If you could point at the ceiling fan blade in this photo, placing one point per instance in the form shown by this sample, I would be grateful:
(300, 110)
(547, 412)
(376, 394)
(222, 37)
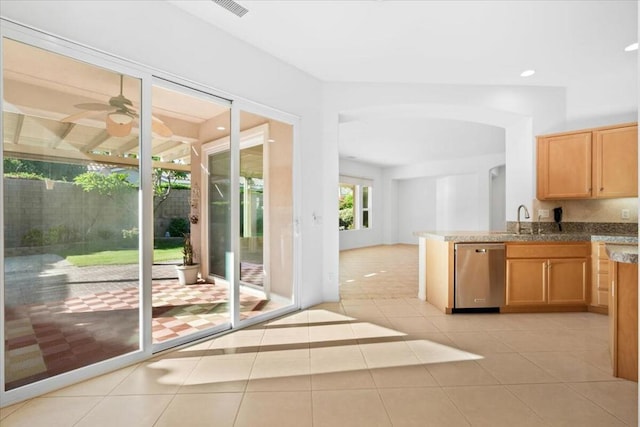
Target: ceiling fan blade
(78, 116)
(158, 127)
(94, 106)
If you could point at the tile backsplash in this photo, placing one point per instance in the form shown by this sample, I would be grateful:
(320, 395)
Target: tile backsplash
(597, 210)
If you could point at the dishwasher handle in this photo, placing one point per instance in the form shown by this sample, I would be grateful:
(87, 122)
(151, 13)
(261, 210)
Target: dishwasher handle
(481, 251)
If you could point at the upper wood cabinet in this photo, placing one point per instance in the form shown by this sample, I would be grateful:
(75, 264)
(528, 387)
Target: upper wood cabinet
(615, 165)
(594, 163)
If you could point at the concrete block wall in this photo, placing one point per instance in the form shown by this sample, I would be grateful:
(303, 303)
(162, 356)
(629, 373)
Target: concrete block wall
(28, 205)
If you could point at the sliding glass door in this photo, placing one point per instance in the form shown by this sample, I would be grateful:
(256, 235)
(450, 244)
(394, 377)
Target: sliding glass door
(70, 206)
(186, 305)
(115, 180)
(264, 189)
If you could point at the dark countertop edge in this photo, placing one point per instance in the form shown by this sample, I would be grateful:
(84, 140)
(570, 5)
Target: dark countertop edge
(477, 236)
(622, 253)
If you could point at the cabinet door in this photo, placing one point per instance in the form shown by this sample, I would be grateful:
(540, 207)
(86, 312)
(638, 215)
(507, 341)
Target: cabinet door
(526, 282)
(616, 162)
(568, 281)
(564, 167)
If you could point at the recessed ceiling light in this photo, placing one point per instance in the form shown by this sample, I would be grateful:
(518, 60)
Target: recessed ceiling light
(527, 73)
(221, 128)
(631, 47)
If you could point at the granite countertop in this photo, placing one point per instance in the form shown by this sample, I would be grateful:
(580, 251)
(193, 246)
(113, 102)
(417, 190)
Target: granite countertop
(622, 253)
(504, 236)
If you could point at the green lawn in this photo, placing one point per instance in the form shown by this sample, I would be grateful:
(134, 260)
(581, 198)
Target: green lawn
(164, 251)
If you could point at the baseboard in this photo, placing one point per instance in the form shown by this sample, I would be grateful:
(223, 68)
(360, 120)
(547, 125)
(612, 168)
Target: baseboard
(598, 309)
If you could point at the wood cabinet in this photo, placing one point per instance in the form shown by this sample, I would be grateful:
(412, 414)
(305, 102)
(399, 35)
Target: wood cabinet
(615, 166)
(599, 278)
(526, 281)
(594, 163)
(623, 319)
(439, 274)
(564, 166)
(548, 274)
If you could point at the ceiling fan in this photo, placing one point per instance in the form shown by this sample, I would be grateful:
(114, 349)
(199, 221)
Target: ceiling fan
(121, 114)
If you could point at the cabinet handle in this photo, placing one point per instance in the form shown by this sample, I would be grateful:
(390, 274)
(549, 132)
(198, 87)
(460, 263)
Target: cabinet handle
(601, 188)
(613, 288)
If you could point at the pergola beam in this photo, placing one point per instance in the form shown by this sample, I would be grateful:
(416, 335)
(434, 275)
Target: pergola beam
(69, 156)
(18, 131)
(97, 141)
(65, 132)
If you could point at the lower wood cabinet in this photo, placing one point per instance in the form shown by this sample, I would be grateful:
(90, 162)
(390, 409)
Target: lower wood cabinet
(568, 281)
(526, 281)
(623, 319)
(548, 274)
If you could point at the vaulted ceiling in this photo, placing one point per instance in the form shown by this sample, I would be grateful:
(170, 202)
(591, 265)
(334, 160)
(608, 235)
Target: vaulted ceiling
(477, 42)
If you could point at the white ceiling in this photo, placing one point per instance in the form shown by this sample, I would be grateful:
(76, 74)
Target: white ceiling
(442, 42)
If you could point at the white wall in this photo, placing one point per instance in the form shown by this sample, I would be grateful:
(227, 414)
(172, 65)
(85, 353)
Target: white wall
(603, 100)
(350, 239)
(416, 207)
(159, 35)
(459, 203)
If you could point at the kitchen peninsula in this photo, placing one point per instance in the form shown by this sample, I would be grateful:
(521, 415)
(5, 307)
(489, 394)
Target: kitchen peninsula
(532, 261)
(544, 273)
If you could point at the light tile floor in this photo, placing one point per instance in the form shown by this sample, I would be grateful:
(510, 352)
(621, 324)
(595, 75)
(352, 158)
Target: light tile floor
(372, 359)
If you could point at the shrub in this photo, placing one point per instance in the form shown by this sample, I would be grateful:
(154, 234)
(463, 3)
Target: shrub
(33, 237)
(61, 234)
(178, 227)
(131, 233)
(105, 234)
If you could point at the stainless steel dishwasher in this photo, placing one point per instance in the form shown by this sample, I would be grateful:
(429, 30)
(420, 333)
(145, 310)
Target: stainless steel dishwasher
(479, 282)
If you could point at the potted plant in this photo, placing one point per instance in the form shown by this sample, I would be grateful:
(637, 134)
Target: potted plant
(188, 271)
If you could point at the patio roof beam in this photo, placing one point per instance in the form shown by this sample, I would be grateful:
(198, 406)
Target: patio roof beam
(69, 156)
(133, 142)
(65, 132)
(18, 131)
(99, 139)
(166, 146)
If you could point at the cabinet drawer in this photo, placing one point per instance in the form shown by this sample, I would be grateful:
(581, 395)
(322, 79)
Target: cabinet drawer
(560, 250)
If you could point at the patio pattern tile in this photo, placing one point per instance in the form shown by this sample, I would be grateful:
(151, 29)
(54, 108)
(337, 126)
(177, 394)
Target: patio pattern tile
(44, 339)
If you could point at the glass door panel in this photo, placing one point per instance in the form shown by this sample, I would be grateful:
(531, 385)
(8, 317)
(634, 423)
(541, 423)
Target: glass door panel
(266, 222)
(186, 303)
(71, 244)
(219, 212)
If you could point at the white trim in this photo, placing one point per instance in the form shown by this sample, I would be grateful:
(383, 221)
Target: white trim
(2, 313)
(352, 180)
(145, 220)
(233, 267)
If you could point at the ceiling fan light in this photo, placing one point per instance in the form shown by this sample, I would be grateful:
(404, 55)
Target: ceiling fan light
(120, 118)
(118, 129)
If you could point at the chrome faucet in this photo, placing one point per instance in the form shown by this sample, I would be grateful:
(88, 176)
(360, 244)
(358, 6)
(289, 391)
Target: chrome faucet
(526, 216)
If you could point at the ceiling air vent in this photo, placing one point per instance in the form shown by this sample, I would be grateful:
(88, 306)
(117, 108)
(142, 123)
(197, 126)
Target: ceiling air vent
(232, 7)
